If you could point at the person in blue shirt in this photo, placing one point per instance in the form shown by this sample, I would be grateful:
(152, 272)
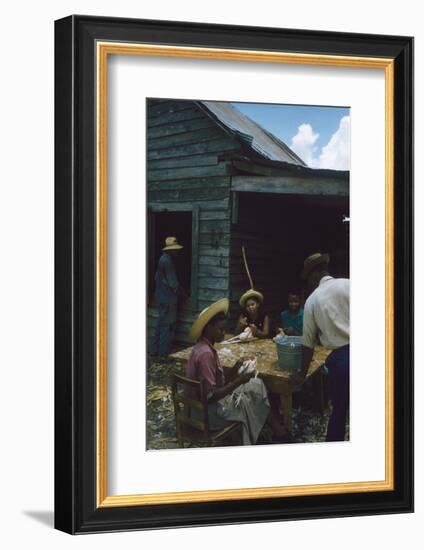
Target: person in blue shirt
(167, 290)
(291, 319)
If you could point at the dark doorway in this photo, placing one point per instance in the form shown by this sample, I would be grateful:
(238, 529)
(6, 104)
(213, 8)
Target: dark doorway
(279, 231)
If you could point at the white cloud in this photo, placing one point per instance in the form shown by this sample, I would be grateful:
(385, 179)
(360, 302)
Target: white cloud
(303, 143)
(334, 155)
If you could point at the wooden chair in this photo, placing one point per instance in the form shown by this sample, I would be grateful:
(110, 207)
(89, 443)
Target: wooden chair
(195, 431)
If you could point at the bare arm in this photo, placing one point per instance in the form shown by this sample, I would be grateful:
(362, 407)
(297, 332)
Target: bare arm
(307, 355)
(219, 393)
(264, 333)
(310, 338)
(299, 378)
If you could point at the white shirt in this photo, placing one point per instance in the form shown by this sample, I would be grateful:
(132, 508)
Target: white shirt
(326, 314)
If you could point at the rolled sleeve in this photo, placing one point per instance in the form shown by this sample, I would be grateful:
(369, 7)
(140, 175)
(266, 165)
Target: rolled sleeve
(310, 329)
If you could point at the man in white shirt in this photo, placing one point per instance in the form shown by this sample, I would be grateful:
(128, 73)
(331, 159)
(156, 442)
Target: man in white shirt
(326, 322)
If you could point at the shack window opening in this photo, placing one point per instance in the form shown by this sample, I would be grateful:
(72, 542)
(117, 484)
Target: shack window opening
(170, 224)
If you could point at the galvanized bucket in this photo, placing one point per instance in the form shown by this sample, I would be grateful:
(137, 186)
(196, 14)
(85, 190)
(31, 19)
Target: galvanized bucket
(289, 351)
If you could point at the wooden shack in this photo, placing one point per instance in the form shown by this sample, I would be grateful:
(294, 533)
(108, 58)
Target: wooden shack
(216, 180)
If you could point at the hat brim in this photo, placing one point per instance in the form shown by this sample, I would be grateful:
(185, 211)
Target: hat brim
(221, 306)
(251, 294)
(324, 259)
(173, 247)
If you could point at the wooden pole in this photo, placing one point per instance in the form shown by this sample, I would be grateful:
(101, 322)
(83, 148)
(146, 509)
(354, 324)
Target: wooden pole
(247, 267)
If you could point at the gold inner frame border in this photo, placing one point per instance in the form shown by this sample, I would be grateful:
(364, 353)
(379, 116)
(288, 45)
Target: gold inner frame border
(103, 50)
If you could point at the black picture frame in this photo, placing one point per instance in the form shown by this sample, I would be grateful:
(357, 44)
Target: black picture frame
(76, 509)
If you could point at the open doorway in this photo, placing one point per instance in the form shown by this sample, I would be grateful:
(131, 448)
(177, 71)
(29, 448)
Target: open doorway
(170, 224)
(279, 231)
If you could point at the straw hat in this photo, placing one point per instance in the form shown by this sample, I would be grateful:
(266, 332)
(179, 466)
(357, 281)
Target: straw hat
(221, 306)
(312, 262)
(251, 294)
(171, 244)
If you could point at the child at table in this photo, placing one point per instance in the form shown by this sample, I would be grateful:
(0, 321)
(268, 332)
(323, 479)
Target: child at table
(291, 319)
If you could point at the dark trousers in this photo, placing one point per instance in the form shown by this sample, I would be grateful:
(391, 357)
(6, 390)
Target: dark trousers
(165, 329)
(338, 388)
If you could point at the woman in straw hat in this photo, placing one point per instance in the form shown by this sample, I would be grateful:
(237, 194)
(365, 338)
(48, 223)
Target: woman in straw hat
(241, 398)
(253, 315)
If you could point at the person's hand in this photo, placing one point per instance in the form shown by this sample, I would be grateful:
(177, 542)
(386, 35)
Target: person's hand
(254, 329)
(243, 321)
(246, 376)
(232, 373)
(280, 332)
(238, 364)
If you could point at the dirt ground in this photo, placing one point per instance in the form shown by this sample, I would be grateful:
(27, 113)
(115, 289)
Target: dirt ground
(309, 425)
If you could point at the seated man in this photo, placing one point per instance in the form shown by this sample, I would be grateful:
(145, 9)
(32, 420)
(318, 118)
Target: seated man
(291, 319)
(243, 398)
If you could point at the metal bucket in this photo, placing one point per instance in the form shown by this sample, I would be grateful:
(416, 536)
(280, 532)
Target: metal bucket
(289, 351)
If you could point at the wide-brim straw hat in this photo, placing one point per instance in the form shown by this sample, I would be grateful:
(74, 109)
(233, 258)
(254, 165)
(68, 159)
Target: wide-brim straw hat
(221, 306)
(251, 294)
(313, 261)
(171, 243)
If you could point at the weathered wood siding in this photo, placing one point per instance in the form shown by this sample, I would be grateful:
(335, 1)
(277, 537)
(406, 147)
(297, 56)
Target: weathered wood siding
(187, 169)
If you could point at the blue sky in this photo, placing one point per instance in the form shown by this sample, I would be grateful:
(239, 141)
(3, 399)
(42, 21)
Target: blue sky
(319, 135)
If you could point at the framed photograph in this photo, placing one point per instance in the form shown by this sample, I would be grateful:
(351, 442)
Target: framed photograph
(233, 265)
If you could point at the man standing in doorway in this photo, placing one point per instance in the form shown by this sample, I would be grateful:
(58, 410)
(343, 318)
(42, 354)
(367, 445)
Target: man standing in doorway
(167, 290)
(326, 321)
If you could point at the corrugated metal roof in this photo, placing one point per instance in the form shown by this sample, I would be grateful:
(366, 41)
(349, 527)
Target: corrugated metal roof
(263, 142)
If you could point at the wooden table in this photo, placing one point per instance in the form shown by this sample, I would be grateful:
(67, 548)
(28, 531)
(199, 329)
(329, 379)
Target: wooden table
(265, 351)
